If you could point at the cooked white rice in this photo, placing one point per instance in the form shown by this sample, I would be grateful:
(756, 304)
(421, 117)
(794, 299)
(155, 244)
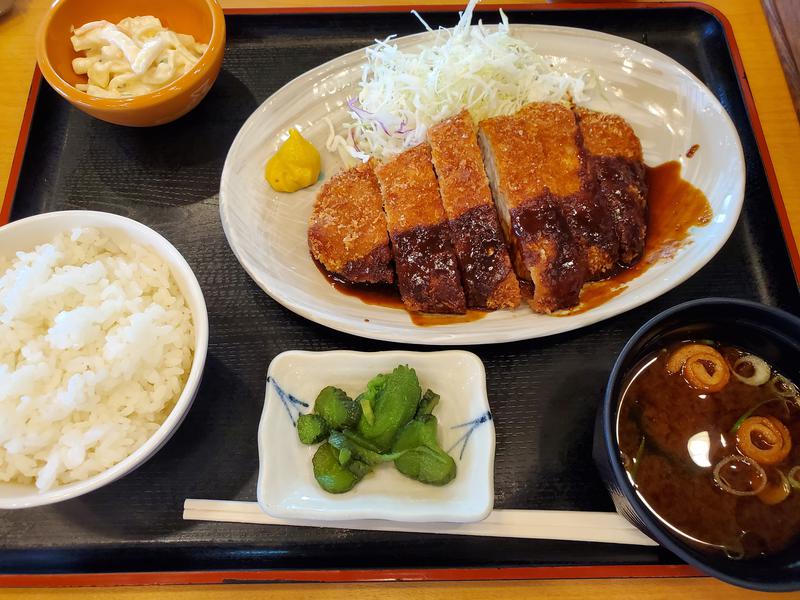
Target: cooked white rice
(96, 344)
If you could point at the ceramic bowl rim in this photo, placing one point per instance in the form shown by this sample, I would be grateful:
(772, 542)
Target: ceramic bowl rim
(609, 411)
(194, 297)
(181, 85)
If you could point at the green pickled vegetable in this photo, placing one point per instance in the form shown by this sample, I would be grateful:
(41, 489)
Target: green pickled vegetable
(345, 456)
(389, 422)
(389, 403)
(336, 407)
(331, 475)
(362, 450)
(359, 469)
(430, 400)
(366, 407)
(311, 429)
(354, 437)
(422, 457)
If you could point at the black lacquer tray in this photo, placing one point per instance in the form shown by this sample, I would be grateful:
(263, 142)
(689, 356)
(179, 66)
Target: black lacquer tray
(543, 392)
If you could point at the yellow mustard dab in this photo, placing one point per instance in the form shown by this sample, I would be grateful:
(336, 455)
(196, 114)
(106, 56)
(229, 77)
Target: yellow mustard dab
(294, 166)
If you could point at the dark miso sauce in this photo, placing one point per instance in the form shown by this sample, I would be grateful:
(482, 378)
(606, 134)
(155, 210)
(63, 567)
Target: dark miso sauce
(388, 295)
(672, 436)
(674, 206)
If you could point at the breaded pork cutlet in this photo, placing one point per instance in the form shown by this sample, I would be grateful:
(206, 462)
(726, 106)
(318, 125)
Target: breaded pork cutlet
(586, 211)
(427, 270)
(347, 229)
(533, 169)
(486, 272)
(614, 158)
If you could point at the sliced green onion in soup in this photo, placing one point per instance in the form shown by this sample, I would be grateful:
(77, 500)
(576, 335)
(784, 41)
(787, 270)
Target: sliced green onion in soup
(749, 413)
(740, 468)
(794, 477)
(783, 387)
(637, 459)
(751, 370)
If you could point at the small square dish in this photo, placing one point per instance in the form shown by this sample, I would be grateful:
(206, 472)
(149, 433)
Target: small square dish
(286, 485)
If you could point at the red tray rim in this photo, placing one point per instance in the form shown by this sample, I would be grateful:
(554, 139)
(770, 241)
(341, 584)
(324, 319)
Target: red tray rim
(348, 576)
(421, 574)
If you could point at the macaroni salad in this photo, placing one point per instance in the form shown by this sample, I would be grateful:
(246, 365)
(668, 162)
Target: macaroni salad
(134, 57)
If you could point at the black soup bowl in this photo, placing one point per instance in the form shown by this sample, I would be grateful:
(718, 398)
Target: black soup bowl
(772, 334)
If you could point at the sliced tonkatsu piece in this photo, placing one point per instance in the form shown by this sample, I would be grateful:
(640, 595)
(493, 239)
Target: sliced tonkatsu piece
(427, 270)
(347, 229)
(486, 272)
(534, 169)
(586, 210)
(614, 157)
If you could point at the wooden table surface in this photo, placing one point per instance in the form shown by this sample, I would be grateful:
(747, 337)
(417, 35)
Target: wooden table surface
(782, 133)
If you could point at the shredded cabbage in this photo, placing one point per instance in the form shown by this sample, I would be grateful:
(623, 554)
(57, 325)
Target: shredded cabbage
(485, 69)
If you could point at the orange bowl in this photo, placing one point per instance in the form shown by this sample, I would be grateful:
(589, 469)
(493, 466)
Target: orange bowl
(203, 19)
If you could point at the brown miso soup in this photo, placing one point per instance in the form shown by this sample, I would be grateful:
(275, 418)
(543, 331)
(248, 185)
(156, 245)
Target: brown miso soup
(710, 437)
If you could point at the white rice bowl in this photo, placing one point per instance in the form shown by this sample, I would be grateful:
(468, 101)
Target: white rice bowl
(97, 342)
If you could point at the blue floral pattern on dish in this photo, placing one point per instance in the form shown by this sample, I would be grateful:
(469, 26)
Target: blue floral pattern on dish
(289, 401)
(293, 403)
(473, 425)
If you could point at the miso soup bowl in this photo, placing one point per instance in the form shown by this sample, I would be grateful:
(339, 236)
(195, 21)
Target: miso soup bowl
(767, 332)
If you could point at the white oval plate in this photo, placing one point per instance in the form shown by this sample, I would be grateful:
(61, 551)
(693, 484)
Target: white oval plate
(286, 486)
(668, 107)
